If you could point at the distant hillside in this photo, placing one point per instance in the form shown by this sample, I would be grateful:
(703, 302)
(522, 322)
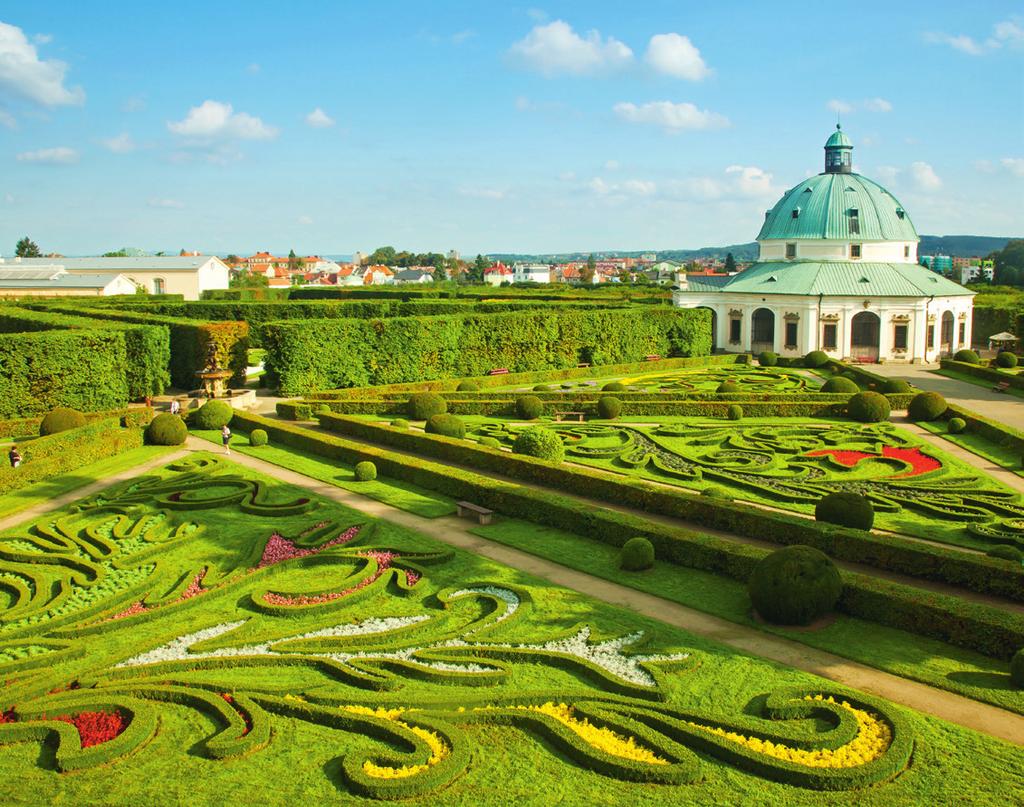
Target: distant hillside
(960, 245)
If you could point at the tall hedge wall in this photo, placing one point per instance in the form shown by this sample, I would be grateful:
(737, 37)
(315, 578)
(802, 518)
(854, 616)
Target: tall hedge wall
(45, 369)
(325, 354)
(990, 319)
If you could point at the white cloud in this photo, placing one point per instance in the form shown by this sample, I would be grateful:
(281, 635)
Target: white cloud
(462, 36)
(1008, 32)
(120, 144)
(304, 220)
(924, 176)
(213, 120)
(136, 103)
(42, 39)
(567, 176)
(24, 74)
(482, 193)
(523, 103)
(61, 155)
(639, 187)
(7, 120)
(675, 55)
(984, 167)
(750, 180)
(1005, 33)
(169, 204)
(1015, 165)
(611, 165)
(737, 182)
(253, 69)
(630, 187)
(877, 105)
(556, 48)
(319, 119)
(843, 107)
(670, 116)
(962, 43)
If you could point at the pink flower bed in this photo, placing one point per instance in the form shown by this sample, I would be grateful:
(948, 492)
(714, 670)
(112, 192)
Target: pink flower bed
(384, 560)
(919, 462)
(279, 548)
(93, 727)
(194, 589)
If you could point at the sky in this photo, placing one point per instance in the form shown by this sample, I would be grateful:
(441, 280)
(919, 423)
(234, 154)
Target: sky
(492, 127)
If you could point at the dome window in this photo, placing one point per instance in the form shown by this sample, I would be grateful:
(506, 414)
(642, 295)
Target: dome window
(807, 190)
(773, 279)
(900, 213)
(796, 212)
(864, 280)
(855, 251)
(790, 251)
(854, 219)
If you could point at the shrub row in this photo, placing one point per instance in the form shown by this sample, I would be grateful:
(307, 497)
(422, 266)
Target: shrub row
(991, 430)
(309, 355)
(46, 457)
(891, 553)
(959, 622)
(988, 374)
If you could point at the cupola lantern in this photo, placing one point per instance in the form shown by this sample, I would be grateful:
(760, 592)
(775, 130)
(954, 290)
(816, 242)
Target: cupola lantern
(838, 153)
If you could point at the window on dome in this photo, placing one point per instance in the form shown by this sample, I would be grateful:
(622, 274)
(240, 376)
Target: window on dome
(854, 251)
(796, 212)
(790, 251)
(906, 250)
(900, 213)
(854, 217)
(846, 158)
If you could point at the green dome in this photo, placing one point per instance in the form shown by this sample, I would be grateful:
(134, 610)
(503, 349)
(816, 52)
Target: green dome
(846, 207)
(838, 139)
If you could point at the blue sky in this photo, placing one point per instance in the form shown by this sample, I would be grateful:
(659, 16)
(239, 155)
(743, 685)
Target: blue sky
(331, 127)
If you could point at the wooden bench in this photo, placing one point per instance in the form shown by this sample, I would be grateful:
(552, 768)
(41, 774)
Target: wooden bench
(560, 416)
(652, 357)
(498, 371)
(583, 364)
(481, 514)
(1002, 386)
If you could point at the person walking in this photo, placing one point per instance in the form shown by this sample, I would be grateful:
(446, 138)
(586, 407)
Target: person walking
(14, 456)
(225, 435)
(175, 407)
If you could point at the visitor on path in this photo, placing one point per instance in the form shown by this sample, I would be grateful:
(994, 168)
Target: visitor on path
(14, 456)
(175, 407)
(225, 435)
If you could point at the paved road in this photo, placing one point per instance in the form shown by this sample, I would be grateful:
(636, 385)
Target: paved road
(998, 406)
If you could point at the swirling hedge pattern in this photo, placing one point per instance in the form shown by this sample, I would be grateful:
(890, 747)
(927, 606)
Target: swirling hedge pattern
(706, 379)
(111, 612)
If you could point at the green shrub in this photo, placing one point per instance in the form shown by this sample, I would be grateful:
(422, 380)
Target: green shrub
(1017, 669)
(258, 437)
(539, 442)
(869, 407)
(896, 386)
(715, 492)
(366, 471)
(212, 415)
(816, 358)
(636, 554)
(1006, 552)
(166, 430)
(728, 386)
(847, 509)
(1006, 359)
(734, 412)
(967, 357)
(489, 442)
(424, 405)
(447, 425)
(322, 409)
(608, 407)
(400, 423)
(614, 386)
(795, 585)
(529, 407)
(767, 358)
(956, 425)
(926, 406)
(61, 419)
(467, 386)
(544, 388)
(840, 384)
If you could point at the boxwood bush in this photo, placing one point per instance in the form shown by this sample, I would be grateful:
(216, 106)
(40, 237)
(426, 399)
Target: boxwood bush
(636, 554)
(614, 386)
(967, 357)
(212, 415)
(896, 386)
(728, 387)
(609, 407)
(489, 442)
(816, 358)
(424, 405)
(166, 430)
(956, 425)
(846, 508)
(1006, 552)
(539, 442)
(734, 412)
(61, 419)
(467, 386)
(767, 358)
(869, 407)
(447, 425)
(365, 471)
(529, 407)
(926, 406)
(1006, 359)
(840, 384)
(795, 585)
(258, 437)
(400, 423)
(1017, 669)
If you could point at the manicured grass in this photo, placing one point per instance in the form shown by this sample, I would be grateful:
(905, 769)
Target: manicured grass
(978, 382)
(993, 452)
(403, 495)
(44, 491)
(284, 734)
(920, 659)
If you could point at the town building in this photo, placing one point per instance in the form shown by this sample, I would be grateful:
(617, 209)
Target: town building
(837, 271)
(49, 280)
(531, 273)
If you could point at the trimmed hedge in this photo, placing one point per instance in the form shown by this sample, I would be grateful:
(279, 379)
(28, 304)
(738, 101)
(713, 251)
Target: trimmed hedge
(529, 407)
(324, 354)
(541, 443)
(987, 374)
(795, 586)
(816, 358)
(869, 407)
(258, 437)
(608, 407)
(1017, 669)
(424, 405)
(840, 384)
(896, 385)
(994, 431)
(767, 358)
(926, 406)
(468, 386)
(166, 430)
(636, 554)
(957, 425)
(951, 619)
(365, 471)
(846, 509)
(614, 386)
(1006, 359)
(60, 420)
(212, 415)
(734, 412)
(447, 425)
(967, 356)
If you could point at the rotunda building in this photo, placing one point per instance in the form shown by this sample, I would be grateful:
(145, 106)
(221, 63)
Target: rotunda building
(837, 271)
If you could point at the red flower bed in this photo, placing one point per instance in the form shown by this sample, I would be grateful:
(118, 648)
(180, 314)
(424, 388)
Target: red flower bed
(8, 716)
(384, 560)
(94, 727)
(245, 715)
(280, 549)
(919, 462)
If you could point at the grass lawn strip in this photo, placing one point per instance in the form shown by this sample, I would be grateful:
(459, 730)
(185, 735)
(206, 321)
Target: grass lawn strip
(1005, 458)
(978, 382)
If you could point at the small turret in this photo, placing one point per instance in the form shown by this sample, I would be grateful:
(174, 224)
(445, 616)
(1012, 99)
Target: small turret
(838, 153)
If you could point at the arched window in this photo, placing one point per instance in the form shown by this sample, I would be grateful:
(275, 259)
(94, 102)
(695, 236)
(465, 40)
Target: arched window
(158, 285)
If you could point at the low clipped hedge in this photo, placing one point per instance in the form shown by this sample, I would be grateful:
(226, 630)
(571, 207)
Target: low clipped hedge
(446, 425)
(994, 431)
(166, 430)
(987, 374)
(869, 407)
(1017, 669)
(846, 509)
(795, 586)
(60, 420)
(424, 405)
(926, 406)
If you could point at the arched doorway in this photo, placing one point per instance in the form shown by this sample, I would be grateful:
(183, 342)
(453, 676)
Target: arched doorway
(864, 330)
(762, 331)
(714, 326)
(946, 333)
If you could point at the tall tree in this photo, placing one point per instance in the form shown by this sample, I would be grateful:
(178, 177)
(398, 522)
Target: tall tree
(480, 267)
(382, 255)
(588, 271)
(27, 248)
(730, 263)
(1009, 264)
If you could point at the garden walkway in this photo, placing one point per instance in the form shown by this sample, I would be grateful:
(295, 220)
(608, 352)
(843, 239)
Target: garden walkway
(450, 530)
(996, 406)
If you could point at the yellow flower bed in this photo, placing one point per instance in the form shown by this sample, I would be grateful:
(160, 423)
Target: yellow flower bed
(438, 749)
(873, 739)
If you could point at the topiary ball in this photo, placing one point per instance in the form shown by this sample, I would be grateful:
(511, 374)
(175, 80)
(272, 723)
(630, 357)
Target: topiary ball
(323, 409)
(489, 442)
(446, 425)
(60, 420)
(840, 384)
(400, 423)
(614, 386)
(366, 471)
(423, 405)
(926, 406)
(714, 492)
(257, 437)
(966, 356)
(956, 425)
(816, 358)
(166, 430)
(795, 585)
(1017, 669)
(896, 386)
(467, 386)
(608, 407)
(728, 386)
(846, 509)
(529, 407)
(1006, 359)
(539, 442)
(212, 415)
(767, 358)
(734, 412)
(636, 554)
(543, 388)
(1006, 552)
(868, 407)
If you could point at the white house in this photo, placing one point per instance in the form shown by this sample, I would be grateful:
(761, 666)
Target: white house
(531, 273)
(186, 275)
(498, 274)
(837, 272)
(416, 274)
(51, 280)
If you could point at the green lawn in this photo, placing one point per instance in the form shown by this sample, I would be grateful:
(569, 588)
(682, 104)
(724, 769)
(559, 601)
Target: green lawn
(993, 452)
(260, 623)
(403, 495)
(978, 382)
